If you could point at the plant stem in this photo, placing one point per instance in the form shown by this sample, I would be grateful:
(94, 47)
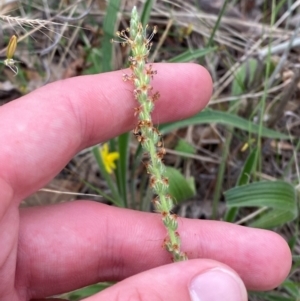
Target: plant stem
(146, 133)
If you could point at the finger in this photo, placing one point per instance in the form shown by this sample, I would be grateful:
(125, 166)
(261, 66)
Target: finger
(42, 131)
(192, 280)
(6, 197)
(50, 299)
(70, 245)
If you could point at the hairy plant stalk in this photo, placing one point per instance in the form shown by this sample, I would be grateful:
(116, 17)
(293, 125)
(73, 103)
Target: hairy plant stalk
(146, 133)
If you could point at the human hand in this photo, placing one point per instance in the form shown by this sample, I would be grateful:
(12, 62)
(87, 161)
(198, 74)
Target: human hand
(53, 249)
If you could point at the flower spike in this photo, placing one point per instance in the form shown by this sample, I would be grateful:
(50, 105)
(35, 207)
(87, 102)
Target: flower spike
(148, 135)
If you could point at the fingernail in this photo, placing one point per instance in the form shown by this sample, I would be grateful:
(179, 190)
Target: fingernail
(217, 284)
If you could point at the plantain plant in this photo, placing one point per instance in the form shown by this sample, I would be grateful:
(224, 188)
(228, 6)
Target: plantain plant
(146, 133)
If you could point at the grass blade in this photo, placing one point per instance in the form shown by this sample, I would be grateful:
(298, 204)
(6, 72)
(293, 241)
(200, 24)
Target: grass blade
(214, 116)
(244, 179)
(109, 24)
(147, 12)
(122, 165)
(190, 55)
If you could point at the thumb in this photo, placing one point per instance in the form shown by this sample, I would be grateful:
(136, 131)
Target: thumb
(191, 280)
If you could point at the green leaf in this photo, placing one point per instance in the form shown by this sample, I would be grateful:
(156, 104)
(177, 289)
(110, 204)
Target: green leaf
(86, 291)
(147, 12)
(214, 116)
(137, 159)
(245, 76)
(271, 296)
(185, 147)
(248, 167)
(190, 55)
(98, 190)
(109, 24)
(291, 292)
(94, 59)
(292, 287)
(273, 218)
(122, 165)
(278, 197)
(244, 179)
(180, 188)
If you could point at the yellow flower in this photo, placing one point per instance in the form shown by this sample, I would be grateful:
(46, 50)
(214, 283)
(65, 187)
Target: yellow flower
(11, 48)
(108, 158)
